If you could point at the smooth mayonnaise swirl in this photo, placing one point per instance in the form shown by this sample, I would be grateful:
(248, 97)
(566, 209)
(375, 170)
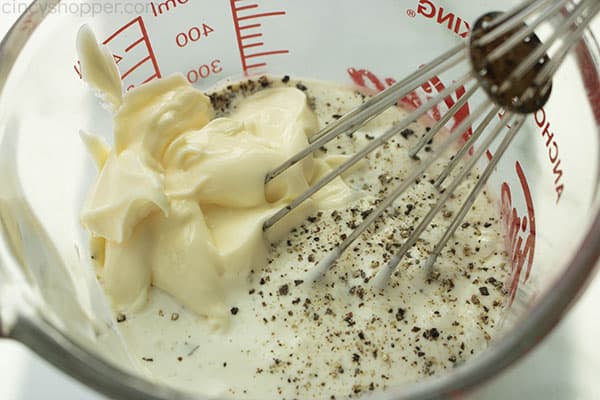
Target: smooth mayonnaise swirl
(180, 200)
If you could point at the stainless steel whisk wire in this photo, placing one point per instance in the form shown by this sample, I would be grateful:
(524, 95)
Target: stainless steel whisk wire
(497, 30)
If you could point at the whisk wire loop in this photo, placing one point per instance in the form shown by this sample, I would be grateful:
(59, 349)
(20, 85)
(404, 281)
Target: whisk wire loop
(358, 156)
(328, 261)
(475, 191)
(352, 121)
(384, 273)
(512, 66)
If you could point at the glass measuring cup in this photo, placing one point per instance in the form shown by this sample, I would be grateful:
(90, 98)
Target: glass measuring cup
(50, 301)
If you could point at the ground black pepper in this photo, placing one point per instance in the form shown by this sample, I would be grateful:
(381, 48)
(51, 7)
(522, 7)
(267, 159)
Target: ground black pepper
(345, 327)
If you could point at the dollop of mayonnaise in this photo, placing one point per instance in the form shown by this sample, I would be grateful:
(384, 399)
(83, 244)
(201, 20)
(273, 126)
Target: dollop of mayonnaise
(180, 200)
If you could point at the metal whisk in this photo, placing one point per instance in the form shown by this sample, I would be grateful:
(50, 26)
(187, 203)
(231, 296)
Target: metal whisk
(513, 67)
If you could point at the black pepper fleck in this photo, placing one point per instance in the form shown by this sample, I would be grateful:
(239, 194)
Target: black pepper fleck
(431, 334)
(283, 290)
(406, 133)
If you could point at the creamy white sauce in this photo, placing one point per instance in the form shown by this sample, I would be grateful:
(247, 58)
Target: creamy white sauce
(288, 339)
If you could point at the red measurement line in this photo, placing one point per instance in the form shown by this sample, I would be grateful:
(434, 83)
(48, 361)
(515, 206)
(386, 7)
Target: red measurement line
(123, 28)
(144, 39)
(254, 35)
(267, 53)
(131, 46)
(136, 66)
(236, 23)
(242, 45)
(247, 46)
(149, 46)
(256, 65)
(250, 26)
(248, 7)
(149, 79)
(270, 14)
(78, 69)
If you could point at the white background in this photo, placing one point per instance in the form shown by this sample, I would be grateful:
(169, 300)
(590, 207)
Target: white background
(565, 366)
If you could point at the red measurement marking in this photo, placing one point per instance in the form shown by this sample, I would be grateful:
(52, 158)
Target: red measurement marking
(256, 66)
(250, 26)
(78, 70)
(136, 66)
(150, 78)
(134, 44)
(247, 46)
(123, 29)
(520, 231)
(248, 7)
(254, 35)
(267, 53)
(236, 24)
(243, 45)
(271, 14)
(123, 50)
